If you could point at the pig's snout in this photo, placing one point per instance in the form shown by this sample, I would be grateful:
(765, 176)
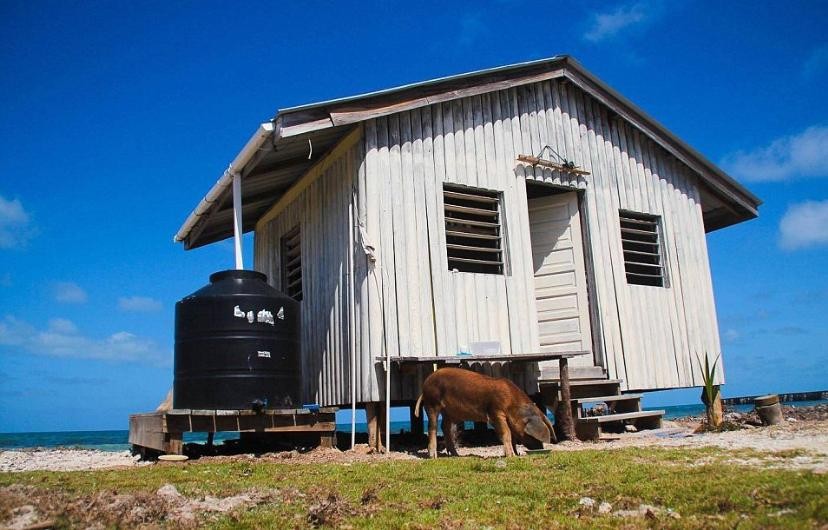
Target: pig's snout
(535, 430)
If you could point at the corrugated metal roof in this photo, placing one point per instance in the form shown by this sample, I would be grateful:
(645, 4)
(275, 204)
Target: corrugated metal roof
(301, 129)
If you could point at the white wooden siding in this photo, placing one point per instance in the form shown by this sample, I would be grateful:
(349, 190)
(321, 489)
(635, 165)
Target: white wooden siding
(322, 213)
(407, 302)
(647, 336)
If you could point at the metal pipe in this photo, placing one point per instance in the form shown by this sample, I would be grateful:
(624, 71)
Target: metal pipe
(388, 400)
(237, 221)
(352, 315)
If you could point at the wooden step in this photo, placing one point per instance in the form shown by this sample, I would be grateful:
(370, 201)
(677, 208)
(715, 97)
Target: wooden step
(581, 382)
(551, 373)
(590, 428)
(623, 416)
(582, 388)
(617, 404)
(602, 399)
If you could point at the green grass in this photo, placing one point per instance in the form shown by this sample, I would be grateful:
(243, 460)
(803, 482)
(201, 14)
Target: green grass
(529, 492)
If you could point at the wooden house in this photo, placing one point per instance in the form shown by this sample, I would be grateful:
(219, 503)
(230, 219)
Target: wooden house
(520, 209)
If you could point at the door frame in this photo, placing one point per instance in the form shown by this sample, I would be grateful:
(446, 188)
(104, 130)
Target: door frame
(598, 353)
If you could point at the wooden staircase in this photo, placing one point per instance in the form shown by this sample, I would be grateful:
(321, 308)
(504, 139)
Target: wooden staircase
(599, 406)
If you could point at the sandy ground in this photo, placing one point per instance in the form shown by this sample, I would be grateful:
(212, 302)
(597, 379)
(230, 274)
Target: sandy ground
(65, 460)
(800, 442)
(802, 431)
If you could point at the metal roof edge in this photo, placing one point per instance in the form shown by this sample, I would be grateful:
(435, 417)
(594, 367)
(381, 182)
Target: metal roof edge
(421, 84)
(662, 130)
(263, 131)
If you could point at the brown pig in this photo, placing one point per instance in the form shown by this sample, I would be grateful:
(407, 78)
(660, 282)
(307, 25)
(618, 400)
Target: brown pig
(461, 395)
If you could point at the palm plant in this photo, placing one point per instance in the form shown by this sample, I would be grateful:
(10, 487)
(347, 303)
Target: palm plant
(710, 393)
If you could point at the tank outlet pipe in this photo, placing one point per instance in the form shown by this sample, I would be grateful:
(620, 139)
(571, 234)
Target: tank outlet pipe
(253, 145)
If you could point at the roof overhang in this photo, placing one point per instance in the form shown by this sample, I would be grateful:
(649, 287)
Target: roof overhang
(283, 149)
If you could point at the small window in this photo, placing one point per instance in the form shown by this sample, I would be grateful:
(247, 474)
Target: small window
(292, 264)
(642, 249)
(473, 235)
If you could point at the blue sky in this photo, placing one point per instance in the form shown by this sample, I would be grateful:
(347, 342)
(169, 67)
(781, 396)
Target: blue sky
(117, 117)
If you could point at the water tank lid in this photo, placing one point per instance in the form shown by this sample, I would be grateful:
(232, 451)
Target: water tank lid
(236, 274)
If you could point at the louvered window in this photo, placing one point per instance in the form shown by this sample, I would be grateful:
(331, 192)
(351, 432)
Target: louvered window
(292, 264)
(642, 249)
(473, 231)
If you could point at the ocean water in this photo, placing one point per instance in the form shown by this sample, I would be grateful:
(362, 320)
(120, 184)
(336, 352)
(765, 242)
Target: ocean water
(118, 440)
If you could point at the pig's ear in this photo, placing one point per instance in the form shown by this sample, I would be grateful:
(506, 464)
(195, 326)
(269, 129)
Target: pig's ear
(535, 427)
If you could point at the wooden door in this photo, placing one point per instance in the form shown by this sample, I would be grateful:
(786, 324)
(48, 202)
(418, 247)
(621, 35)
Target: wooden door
(560, 276)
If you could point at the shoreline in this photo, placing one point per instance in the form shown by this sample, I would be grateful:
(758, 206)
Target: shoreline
(804, 429)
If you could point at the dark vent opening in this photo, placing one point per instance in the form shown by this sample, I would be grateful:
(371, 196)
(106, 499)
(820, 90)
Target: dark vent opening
(292, 264)
(473, 233)
(640, 241)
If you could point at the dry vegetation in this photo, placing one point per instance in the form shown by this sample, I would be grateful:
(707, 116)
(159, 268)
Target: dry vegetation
(762, 477)
(629, 487)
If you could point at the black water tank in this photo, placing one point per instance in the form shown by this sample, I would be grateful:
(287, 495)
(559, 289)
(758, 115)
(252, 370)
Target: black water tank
(236, 345)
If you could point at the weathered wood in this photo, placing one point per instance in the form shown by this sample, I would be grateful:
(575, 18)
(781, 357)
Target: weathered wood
(346, 115)
(535, 161)
(174, 443)
(311, 175)
(374, 417)
(563, 412)
(147, 430)
(409, 302)
(458, 359)
(162, 431)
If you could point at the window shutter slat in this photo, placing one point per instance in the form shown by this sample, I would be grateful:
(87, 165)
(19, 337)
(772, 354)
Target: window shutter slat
(472, 223)
(291, 250)
(641, 244)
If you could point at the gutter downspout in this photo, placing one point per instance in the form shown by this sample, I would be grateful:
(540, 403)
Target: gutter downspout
(237, 221)
(236, 166)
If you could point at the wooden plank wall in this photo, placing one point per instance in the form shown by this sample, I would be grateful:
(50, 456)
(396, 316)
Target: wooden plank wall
(322, 211)
(415, 306)
(405, 300)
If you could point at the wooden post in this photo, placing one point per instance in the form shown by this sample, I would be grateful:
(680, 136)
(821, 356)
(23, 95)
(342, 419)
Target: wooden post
(563, 413)
(374, 412)
(327, 440)
(174, 443)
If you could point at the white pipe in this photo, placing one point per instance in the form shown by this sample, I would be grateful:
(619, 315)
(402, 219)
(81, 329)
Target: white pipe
(352, 316)
(388, 400)
(237, 221)
(251, 148)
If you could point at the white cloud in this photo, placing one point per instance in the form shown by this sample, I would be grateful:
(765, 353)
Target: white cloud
(138, 304)
(731, 335)
(606, 25)
(69, 293)
(61, 338)
(797, 156)
(816, 63)
(15, 224)
(62, 325)
(804, 225)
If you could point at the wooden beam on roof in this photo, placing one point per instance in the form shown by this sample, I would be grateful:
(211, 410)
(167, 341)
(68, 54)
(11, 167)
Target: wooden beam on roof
(306, 127)
(311, 175)
(350, 113)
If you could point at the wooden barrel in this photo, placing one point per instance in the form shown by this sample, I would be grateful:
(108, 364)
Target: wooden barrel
(768, 409)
